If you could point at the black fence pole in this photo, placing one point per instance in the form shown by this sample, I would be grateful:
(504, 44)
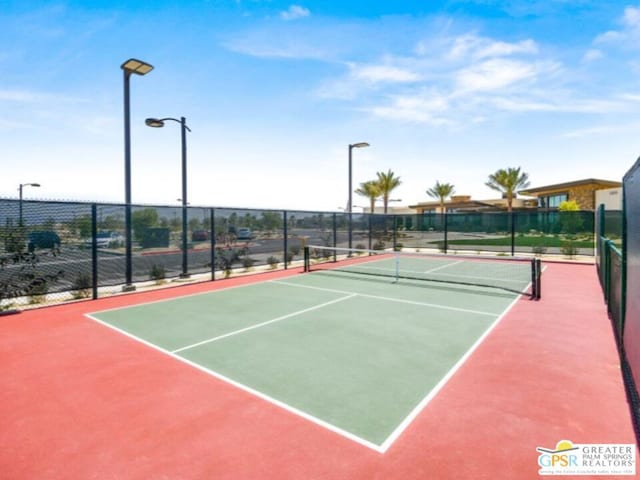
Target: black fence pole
(370, 229)
(212, 221)
(94, 250)
(446, 233)
(335, 234)
(395, 232)
(286, 240)
(512, 219)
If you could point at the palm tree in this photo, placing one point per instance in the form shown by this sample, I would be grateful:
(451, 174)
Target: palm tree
(508, 181)
(441, 191)
(371, 190)
(387, 183)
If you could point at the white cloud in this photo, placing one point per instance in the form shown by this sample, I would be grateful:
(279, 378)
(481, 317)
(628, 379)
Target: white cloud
(631, 17)
(295, 12)
(383, 73)
(473, 46)
(592, 55)
(494, 74)
(629, 34)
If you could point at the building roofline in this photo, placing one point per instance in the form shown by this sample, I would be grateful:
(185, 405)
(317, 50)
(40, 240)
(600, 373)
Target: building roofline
(575, 183)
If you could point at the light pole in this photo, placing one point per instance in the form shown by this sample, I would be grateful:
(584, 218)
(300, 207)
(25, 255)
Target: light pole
(22, 185)
(159, 123)
(350, 205)
(138, 67)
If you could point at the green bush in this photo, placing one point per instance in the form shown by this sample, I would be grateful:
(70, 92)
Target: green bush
(379, 245)
(247, 262)
(273, 262)
(157, 273)
(82, 286)
(569, 249)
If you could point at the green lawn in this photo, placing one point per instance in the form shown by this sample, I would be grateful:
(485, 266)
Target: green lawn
(524, 241)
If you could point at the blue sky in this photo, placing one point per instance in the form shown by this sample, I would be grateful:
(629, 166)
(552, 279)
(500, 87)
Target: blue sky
(275, 91)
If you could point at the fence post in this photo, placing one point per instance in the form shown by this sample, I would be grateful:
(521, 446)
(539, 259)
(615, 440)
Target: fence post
(94, 250)
(607, 271)
(370, 229)
(446, 233)
(286, 240)
(335, 234)
(395, 232)
(212, 239)
(512, 219)
(600, 223)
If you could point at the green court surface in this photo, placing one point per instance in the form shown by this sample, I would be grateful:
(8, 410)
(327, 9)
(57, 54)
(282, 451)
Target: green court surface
(356, 354)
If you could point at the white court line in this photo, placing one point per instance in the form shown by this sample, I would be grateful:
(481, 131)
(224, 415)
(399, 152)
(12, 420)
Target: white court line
(435, 390)
(333, 428)
(389, 299)
(258, 325)
(245, 388)
(180, 297)
(431, 270)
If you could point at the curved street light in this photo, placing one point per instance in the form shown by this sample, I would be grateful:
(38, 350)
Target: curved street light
(159, 123)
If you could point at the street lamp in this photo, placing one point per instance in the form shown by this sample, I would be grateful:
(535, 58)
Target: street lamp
(22, 185)
(159, 123)
(130, 67)
(350, 204)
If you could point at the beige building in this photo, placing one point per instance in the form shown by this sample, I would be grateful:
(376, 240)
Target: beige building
(582, 191)
(611, 198)
(464, 203)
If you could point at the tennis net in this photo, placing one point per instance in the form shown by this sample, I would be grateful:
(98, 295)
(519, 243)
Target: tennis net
(513, 274)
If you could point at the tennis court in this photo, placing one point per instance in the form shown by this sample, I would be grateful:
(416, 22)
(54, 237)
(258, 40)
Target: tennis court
(359, 355)
(331, 374)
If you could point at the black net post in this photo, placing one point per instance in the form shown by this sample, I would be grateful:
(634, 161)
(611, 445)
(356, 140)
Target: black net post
(538, 280)
(94, 251)
(212, 238)
(306, 258)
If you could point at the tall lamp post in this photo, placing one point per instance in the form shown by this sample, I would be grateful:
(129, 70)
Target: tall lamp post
(130, 67)
(350, 205)
(22, 185)
(159, 123)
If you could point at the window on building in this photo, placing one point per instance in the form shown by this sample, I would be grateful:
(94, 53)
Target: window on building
(552, 201)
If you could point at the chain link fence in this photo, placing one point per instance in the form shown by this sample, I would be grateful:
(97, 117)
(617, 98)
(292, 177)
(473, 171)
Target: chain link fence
(52, 252)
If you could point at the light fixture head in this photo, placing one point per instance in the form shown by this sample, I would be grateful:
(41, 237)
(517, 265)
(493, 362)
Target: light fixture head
(360, 145)
(136, 66)
(154, 122)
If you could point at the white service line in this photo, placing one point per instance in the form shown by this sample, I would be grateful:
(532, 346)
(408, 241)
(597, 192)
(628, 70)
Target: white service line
(246, 388)
(389, 299)
(443, 266)
(258, 325)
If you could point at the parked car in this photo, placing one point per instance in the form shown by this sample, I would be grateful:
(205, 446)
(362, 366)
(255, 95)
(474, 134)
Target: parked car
(199, 235)
(244, 234)
(43, 239)
(106, 240)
